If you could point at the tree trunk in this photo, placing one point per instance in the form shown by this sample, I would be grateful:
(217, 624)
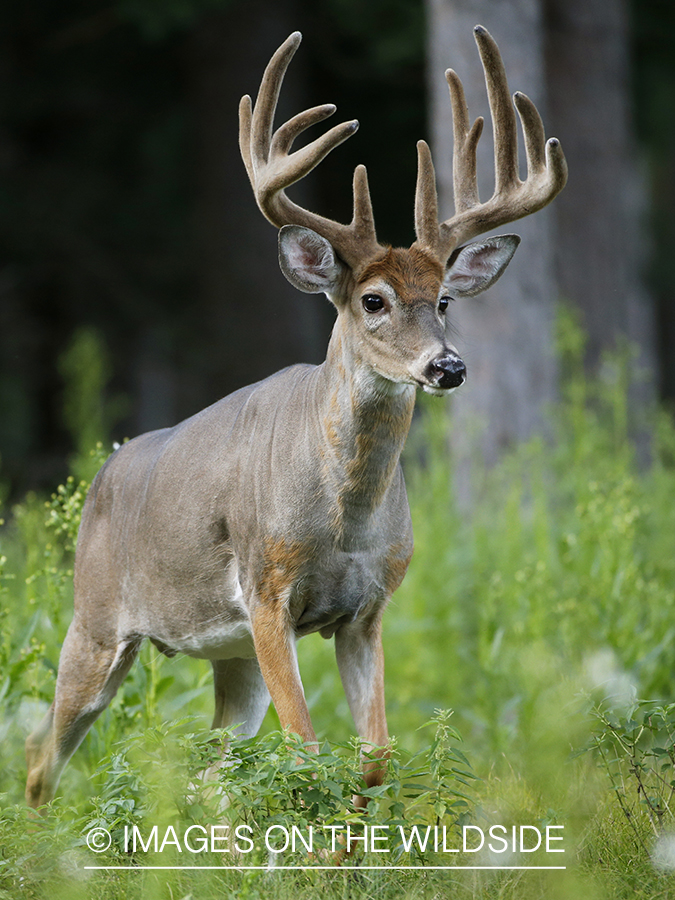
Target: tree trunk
(600, 249)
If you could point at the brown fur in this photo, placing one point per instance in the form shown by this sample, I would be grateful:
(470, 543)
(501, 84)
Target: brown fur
(374, 767)
(377, 721)
(395, 567)
(332, 424)
(283, 562)
(271, 636)
(412, 273)
(369, 472)
(271, 626)
(370, 459)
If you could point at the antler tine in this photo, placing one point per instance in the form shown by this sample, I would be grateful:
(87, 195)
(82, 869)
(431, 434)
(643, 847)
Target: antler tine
(465, 141)
(268, 97)
(245, 116)
(512, 198)
(363, 221)
(283, 138)
(465, 185)
(271, 166)
(533, 132)
(426, 200)
(284, 169)
(501, 110)
(546, 163)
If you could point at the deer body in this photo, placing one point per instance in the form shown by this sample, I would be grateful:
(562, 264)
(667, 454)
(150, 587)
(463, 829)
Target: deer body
(281, 510)
(204, 545)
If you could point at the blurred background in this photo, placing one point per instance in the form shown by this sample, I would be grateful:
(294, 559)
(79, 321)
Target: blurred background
(139, 282)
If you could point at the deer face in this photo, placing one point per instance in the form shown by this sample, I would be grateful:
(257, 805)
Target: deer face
(398, 310)
(394, 309)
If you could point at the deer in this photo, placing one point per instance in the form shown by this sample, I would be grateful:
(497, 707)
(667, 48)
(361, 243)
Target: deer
(281, 510)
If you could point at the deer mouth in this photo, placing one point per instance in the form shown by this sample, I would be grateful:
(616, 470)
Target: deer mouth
(437, 391)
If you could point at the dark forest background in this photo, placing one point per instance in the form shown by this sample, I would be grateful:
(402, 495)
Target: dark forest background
(128, 229)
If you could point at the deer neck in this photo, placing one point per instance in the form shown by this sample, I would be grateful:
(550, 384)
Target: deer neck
(365, 421)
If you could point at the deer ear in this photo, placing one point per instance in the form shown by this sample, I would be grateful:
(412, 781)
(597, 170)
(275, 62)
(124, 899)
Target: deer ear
(474, 267)
(308, 260)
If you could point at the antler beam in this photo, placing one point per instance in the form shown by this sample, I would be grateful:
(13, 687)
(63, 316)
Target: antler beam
(272, 167)
(512, 198)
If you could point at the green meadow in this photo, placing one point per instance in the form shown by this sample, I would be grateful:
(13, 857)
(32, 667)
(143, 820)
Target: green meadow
(530, 664)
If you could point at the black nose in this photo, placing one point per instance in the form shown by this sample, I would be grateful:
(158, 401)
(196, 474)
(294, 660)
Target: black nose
(446, 371)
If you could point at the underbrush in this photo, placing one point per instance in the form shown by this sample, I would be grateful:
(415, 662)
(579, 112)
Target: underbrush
(544, 616)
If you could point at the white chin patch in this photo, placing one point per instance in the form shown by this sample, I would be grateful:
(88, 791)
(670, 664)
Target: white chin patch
(438, 392)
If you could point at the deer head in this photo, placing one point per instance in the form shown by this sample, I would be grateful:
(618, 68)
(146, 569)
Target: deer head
(392, 302)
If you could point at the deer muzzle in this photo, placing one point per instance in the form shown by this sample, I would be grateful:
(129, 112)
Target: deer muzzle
(446, 372)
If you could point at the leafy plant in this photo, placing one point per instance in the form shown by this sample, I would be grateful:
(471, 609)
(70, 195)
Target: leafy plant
(275, 782)
(637, 751)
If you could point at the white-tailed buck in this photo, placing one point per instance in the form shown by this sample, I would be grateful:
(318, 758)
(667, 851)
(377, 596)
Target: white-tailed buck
(281, 510)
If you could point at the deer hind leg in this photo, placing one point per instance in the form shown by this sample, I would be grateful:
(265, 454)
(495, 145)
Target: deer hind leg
(89, 675)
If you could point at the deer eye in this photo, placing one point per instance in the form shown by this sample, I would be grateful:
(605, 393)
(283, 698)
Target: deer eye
(443, 304)
(372, 302)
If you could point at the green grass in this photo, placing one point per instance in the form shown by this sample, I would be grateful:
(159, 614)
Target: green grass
(539, 616)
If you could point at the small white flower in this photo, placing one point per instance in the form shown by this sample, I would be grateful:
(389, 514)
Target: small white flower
(663, 854)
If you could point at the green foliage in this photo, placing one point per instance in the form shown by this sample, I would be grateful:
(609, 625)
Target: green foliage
(637, 751)
(634, 746)
(88, 414)
(558, 583)
(85, 371)
(64, 510)
(275, 782)
(154, 805)
(158, 18)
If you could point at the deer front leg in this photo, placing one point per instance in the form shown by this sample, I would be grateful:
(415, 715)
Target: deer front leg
(276, 651)
(358, 649)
